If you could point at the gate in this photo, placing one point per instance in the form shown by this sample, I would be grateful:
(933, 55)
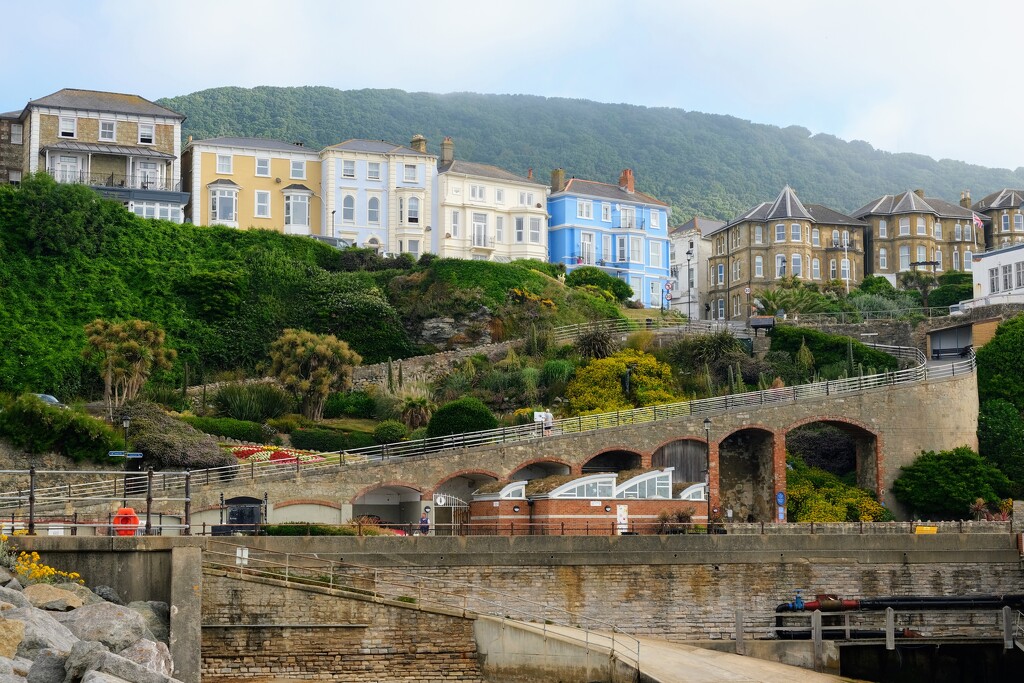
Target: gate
(450, 515)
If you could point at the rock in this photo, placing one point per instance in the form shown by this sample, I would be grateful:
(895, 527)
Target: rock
(45, 596)
(154, 656)
(130, 671)
(15, 597)
(85, 656)
(108, 594)
(41, 631)
(6, 667)
(100, 677)
(22, 666)
(115, 626)
(157, 616)
(48, 667)
(12, 632)
(84, 594)
(6, 605)
(5, 575)
(14, 585)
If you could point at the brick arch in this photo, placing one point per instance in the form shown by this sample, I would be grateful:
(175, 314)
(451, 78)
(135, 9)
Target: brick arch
(384, 484)
(645, 458)
(741, 428)
(429, 492)
(537, 461)
(874, 479)
(648, 458)
(830, 418)
(308, 501)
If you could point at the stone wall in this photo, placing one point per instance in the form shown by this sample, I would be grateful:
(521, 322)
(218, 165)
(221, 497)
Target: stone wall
(890, 332)
(262, 629)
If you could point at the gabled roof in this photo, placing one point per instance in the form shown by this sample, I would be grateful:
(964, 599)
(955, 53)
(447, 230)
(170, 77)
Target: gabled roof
(256, 143)
(484, 171)
(787, 205)
(700, 224)
(910, 202)
(376, 147)
(223, 182)
(297, 186)
(111, 102)
(592, 188)
(825, 215)
(1003, 199)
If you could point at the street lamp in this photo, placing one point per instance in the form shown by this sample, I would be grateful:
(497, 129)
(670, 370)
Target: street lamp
(689, 257)
(707, 463)
(126, 422)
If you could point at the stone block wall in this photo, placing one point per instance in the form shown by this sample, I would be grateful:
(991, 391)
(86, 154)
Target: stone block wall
(263, 629)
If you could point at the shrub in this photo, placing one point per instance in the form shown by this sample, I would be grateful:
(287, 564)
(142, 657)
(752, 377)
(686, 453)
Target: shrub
(308, 529)
(596, 343)
(389, 431)
(253, 402)
(828, 349)
(818, 496)
(286, 424)
(466, 414)
(947, 483)
(166, 442)
(166, 396)
(329, 440)
(999, 364)
(589, 275)
(351, 403)
(418, 433)
(39, 428)
(242, 430)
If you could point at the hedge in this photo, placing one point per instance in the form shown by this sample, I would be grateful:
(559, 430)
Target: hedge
(328, 440)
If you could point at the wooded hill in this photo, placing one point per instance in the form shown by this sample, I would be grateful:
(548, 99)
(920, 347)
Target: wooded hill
(707, 164)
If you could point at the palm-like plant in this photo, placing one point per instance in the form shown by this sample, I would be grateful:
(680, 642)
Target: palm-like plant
(793, 301)
(596, 343)
(416, 411)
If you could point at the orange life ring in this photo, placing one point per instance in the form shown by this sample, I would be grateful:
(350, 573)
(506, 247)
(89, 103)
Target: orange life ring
(126, 522)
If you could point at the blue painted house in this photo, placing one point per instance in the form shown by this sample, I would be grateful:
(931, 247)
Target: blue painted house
(612, 227)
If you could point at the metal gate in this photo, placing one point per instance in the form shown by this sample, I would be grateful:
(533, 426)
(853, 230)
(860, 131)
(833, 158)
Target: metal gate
(450, 515)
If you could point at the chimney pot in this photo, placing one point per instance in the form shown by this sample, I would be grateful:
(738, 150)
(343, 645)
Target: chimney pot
(965, 199)
(558, 180)
(447, 150)
(529, 174)
(626, 181)
(419, 143)
(919, 193)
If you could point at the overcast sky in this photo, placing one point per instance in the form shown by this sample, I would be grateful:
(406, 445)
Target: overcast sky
(934, 77)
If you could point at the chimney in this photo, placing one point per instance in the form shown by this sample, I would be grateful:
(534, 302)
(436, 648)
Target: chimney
(447, 150)
(919, 193)
(558, 180)
(419, 143)
(529, 174)
(627, 182)
(298, 144)
(965, 199)
(190, 138)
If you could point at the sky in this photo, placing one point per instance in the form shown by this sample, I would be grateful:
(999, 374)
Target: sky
(922, 76)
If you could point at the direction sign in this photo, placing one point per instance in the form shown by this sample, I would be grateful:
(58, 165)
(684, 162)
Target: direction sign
(116, 454)
(133, 455)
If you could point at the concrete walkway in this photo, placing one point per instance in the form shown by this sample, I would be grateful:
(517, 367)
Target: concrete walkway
(668, 662)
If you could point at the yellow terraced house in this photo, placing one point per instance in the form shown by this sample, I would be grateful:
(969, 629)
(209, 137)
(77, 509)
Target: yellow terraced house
(253, 183)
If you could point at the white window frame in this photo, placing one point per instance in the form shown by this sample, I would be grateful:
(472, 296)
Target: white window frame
(67, 131)
(815, 269)
(758, 234)
(520, 229)
(525, 199)
(905, 257)
(606, 212)
(225, 161)
(883, 229)
(796, 265)
(413, 214)
(922, 226)
(938, 259)
(655, 218)
(478, 193)
(499, 196)
(584, 209)
(815, 237)
(780, 265)
(621, 244)
(265, 161)
(937, 230)
(636, 250)
(348, 168)
(373, 211)
(654, 253)
(1018, 274)
(1018, 222)
(796, 233)
(300, 166)
(904, 226)
(534, 229)
(348, 209)
(1005, 223)
(922, 253)
(291, 199)
(833, 271)
(883, 259)
(104, 122)
(17, 134)
(261, 201)
(721, 309)
(780, 232)
(456, 219)
(627, 217)
(968, 260)
(993, 280)
(151, 128)
(758, 266)
(844, 269)
(968, 231)
(409, 174)
(373, 170)
(958, 232)
(223, 193)
(499, 229)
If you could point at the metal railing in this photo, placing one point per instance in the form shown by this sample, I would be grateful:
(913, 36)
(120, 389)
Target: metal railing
(137, 181)
(568, 333)
(412, 588)
(920, 372)
(863, 316)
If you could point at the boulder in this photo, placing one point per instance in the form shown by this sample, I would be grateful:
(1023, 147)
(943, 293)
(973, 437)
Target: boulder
(14, 585)
(6, 605)
(5, 575)
(100, 677)
(115, 626)
(12, 632)
(22, 666)
(15, 597)
(108, 594)
(84, 594)
(85, 656)
(6, 667)
(157, 616)
(41, 631)
(116, 665)
(48, 667)
(154, 656)
(45, 596)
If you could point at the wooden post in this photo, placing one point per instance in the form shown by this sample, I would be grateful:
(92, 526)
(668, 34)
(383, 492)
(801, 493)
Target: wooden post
(890, 628)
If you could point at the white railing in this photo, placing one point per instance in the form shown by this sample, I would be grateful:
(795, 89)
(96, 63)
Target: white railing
(413, 588)
(165, 481)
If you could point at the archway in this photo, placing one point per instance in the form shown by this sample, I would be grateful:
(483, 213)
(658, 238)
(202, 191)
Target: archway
(746, 476)
(839, 446)
(612, 461)
(686, 457)
(451, 501)
(539, 470)
(393, 504)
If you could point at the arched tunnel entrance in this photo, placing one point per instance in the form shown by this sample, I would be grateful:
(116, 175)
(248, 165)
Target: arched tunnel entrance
(846, 450)
(746, 476)
(539, 470)
(612, 461)
(388, 505)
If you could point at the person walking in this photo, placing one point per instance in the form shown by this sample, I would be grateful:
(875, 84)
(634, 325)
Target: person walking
(424, 524)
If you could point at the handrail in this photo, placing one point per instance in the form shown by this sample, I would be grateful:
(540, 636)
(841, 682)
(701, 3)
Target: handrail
(403, 586)
(568, 333)
(165, 481)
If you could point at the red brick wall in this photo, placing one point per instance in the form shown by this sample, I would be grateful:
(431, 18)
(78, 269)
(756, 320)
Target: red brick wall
(576, 517)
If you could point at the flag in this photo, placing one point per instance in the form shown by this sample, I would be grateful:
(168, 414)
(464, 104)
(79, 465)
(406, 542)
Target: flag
(977, 222)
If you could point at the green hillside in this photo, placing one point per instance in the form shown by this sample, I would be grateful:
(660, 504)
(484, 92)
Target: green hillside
(713, 165)
(68, 257)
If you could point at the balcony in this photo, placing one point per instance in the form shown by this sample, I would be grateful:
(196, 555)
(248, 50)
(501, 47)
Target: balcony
(139, 181)
(483, 242)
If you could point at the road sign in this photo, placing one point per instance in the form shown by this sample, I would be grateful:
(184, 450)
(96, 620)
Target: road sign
(116, 454)
(746, 290)
(133, 455)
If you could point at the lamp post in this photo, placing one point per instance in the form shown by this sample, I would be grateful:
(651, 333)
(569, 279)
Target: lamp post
(689, 257)
(126, 422)
(707, 466)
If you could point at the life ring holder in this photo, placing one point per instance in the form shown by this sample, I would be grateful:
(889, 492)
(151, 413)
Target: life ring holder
(126, 522)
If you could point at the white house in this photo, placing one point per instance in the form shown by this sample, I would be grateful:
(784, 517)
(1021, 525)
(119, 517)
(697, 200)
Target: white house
(688, 257)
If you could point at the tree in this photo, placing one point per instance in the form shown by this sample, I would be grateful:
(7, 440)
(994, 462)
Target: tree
(626, 380)
(999, 364)
(125, 353)
(467, 414)
(878, 285)
(792, 300)
(416, 411)
(1001, 438)
(312, 366)
(589, 275)
(947, 483)
(920, 281)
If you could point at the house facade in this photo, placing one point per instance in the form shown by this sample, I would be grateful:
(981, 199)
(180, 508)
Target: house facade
(253, 183)
(612, 227)
(910, 231)
(124, 146)
(12, 144)
(688, 252)
(999, 275)
(488, 213)
(1003, 213)
(778, 240)
(380, 195)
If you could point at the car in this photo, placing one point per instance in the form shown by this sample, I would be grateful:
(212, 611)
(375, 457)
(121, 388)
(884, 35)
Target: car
(50, 400)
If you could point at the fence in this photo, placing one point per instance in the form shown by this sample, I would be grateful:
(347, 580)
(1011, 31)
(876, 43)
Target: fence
(568, 333)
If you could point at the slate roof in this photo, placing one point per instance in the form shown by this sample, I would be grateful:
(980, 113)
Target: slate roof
(592, 188)
(825, 215)
(297, 186)
(1003, 199)
(909, 202)
(99, 148)
(700, 224)
(223, 182)
(112, 102)
(10, 115)
(257, 143)
(787, 205)
(484, 171)
(377, 147)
